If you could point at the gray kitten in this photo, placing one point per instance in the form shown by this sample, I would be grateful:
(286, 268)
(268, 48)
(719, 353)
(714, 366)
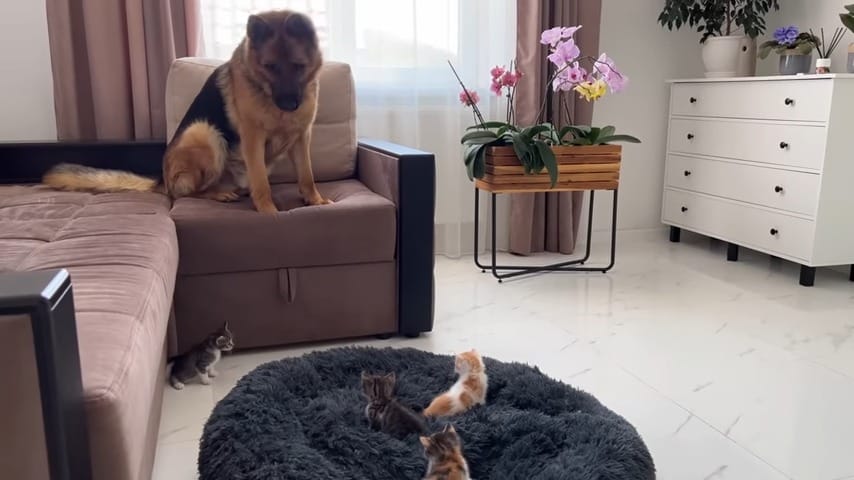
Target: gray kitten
(200, 360)
(384, 412)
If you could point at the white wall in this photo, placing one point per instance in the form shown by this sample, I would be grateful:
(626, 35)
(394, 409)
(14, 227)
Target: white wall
(809, 14)
(649, 55)
(26, 83)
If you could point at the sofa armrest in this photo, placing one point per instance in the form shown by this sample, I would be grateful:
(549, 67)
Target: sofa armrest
(42, 398)
(407, 177)
(27, 162)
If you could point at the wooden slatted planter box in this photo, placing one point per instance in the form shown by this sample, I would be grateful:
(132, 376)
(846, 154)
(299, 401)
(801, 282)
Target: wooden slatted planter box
(595, 167)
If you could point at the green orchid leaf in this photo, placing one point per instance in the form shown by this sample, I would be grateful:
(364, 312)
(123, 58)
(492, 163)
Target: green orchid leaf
(549, 161)
(580, 141)
(487, 125)
(522, 148)
(470, 157)
(472, 136)
(618, 138)
(607, 131)
(479, 162)
(532, 132)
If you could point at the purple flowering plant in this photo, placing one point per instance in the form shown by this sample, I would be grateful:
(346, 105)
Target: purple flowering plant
(789, 39)
(590, 78)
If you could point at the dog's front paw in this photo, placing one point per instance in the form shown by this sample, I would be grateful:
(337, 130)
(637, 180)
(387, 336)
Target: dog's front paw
(266, 207)
(318, 200)
(226, 196)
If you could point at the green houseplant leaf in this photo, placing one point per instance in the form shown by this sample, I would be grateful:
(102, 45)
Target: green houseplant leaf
(549, 161)
(848, 18)
(475, 135)
(488, 125)
(617, 138)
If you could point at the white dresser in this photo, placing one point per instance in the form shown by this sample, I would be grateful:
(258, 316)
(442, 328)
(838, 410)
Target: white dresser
(766, 163)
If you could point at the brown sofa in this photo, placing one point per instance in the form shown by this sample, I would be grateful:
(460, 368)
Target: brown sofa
(310, 273)
(150, 278)
(122, 253)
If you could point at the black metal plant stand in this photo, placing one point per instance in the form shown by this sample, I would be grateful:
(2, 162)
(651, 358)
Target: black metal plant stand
(575, 265)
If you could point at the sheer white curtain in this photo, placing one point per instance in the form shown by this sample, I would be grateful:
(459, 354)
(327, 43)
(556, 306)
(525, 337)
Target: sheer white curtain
(406, 93)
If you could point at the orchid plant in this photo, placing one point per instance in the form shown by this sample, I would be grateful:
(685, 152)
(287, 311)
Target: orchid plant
(588, 77)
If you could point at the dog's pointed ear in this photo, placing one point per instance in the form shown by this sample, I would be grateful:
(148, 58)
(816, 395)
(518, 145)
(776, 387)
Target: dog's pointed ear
(425, 441)
(300, 26)
(258, 30)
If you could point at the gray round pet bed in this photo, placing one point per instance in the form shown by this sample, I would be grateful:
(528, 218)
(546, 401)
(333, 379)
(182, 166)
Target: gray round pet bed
(303, 418)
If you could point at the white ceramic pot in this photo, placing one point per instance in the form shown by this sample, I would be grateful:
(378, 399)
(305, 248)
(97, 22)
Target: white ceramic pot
(722, 55)
(747, 58)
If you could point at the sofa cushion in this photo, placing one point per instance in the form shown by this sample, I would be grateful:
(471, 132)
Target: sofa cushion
(122, 254)
(333, 146)
(216, 237)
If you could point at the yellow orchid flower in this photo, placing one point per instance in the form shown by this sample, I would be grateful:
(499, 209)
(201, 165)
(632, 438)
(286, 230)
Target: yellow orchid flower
(592, 90)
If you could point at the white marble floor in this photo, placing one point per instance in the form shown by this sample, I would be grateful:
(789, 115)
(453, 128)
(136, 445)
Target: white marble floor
(728, 370)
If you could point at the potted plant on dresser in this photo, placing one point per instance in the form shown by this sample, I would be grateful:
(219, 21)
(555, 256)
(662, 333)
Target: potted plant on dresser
(794, 47)
(502, 156)
(726, 53)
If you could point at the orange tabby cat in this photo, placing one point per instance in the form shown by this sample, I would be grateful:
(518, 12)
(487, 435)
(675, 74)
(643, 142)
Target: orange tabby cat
(468, 391)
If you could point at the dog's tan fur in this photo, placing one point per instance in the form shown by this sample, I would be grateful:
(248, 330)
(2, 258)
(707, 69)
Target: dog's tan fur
(199, 163)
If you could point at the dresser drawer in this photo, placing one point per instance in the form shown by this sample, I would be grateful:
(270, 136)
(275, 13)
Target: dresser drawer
(795, 100)
(777, 144)
(753, 227)
(781, 189)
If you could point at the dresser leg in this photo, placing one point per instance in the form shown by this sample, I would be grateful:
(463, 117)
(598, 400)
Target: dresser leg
(807, 276)
(675, 234)
(732, 252)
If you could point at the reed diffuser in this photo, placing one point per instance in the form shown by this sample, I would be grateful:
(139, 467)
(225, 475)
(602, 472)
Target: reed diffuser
(825, 49)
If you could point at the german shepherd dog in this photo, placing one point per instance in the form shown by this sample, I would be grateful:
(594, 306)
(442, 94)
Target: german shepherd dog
(252, 112)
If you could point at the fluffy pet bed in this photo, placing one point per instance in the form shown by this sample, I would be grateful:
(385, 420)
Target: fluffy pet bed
(303, 418)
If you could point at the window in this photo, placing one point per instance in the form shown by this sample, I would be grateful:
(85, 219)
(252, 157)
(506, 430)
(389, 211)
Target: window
(386, 42)
(224, 21)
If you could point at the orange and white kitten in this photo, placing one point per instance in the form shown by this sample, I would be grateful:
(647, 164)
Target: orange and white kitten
(468, 391)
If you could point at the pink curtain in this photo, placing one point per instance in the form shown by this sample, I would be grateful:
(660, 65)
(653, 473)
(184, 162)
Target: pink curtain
(548, 221)
(110, 59)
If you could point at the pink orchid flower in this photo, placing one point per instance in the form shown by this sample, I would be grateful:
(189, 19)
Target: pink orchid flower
(496, 87)
(497, 72)
(469, 98)
(553, 36)
(565, 52)
(576, 74)
(609, 73)
(510, 79)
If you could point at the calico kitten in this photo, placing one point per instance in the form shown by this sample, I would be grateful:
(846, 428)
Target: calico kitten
(384, 412)
(468, 391)
(444, 454)
(200, 360)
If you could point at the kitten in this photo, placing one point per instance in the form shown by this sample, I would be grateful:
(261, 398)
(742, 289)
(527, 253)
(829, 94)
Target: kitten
(384, 412)
(200, 360)
(444, 454)
(468, 391)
